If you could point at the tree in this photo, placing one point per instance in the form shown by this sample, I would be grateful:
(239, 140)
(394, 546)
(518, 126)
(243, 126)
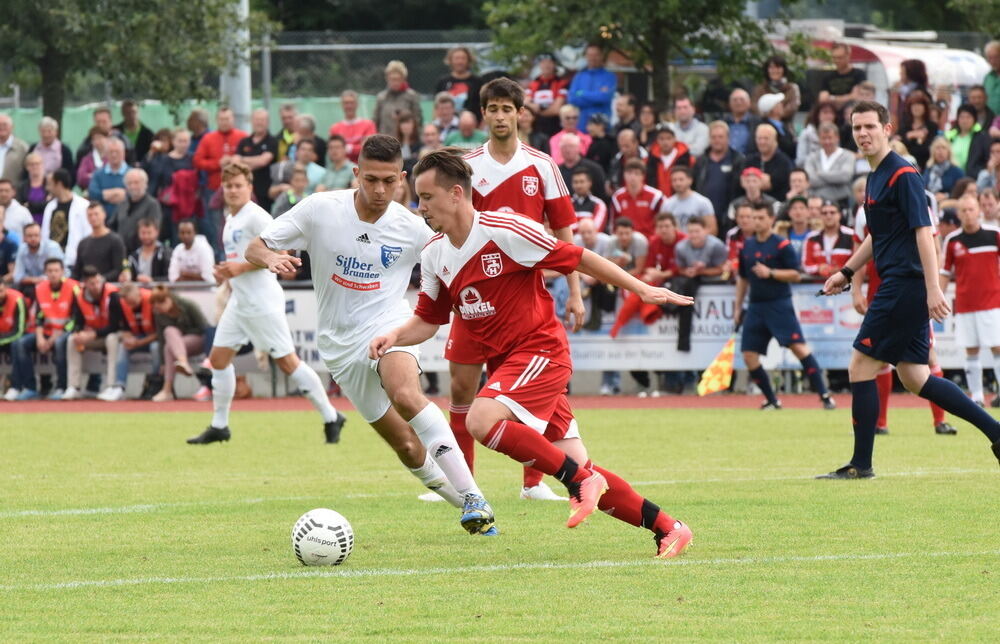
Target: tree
(651, 34)
(984, 14)
(350, 15)
(161, 49)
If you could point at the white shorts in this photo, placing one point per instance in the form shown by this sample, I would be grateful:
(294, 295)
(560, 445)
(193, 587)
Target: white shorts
(359, 380)
(978, 329)
(267, 331)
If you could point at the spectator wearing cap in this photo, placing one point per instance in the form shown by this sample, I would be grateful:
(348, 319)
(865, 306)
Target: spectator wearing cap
(572, 160)
(777, 81)
(752, 183)
(948, 223)
(688, 129)
(770, 107)
(569, 116)
(592, 87)
(602, 146)
(546, 95)
(626, 115)
(666, 153)
(773, 163)
(742, 122)
(831, 168)
(717, 172)
(628, 149)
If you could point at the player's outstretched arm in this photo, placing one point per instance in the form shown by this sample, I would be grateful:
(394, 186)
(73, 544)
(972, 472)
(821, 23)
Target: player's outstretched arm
(413, 331)
(605, 271)
(836, 283)
(260, 255)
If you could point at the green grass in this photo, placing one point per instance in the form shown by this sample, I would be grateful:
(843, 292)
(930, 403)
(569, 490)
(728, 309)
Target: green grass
(912, 555)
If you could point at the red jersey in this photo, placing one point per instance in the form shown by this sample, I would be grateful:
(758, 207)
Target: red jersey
(735, 241)
(973, 261)
(641, 208)
(661, 254)
(819, 249)
(545, 91)
(493, 284)
(354, 132)
(212, 147)
(529, 184)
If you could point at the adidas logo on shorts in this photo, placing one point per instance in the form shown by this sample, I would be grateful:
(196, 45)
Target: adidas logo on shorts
(363, 238)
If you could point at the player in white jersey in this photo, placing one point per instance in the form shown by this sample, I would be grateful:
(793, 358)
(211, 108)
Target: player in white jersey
(362, 248)
(255, 313)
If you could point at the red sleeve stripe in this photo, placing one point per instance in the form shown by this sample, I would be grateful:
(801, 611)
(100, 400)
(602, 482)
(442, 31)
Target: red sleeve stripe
(783, 243)
(474, 153)
(520, 229)
(906, 169)
(433, 239)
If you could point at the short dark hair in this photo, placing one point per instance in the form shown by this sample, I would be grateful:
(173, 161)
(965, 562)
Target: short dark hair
(310, 142)
(382, 148)
(977, 87)
(802, 170)
(686, 169)
(189, 220)
(102, 108)
(95, 204)
(502, 88)
(336, 137)
(62, 176)
(582, 170)
(7, 181)
(149, 222)
(697, 220)
(762, 205)
(89, 271)
(635, 164)
(630, 99)
(53, 260)
(30, 224)
(664, 216)
(451, 169)
(624, 222)
(871, 106)
(128, 102)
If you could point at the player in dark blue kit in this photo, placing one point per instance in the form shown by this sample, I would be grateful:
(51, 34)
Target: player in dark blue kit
(768, 264)
(896, 328)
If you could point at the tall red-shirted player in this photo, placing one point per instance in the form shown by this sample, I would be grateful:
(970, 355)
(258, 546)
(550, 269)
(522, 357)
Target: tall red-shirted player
(508, 176)
(486, 266)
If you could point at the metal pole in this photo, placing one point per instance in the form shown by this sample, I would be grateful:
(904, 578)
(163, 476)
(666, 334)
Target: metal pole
(265, 71)
(234, 84)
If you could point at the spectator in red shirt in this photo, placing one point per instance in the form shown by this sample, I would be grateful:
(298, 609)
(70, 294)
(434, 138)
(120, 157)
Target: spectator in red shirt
(664, 154)
(737, 235)
(216, 150)
(354, 130)
(636, 200)
(546, 95)
(828, 249)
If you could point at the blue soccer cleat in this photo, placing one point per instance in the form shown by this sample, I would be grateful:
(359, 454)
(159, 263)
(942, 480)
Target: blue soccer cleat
(477, 515)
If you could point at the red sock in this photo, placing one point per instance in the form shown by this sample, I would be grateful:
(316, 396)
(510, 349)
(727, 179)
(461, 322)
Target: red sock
(625, 504)
(883, 382)
(936, 411)
(456, 418)
(630, 308)
(528, 447)
(532, 477)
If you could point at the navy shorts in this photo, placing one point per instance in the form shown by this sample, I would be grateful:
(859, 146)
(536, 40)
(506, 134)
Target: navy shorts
(766, 320)
(897, 326)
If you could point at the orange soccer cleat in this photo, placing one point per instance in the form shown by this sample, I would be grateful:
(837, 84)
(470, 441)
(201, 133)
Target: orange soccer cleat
(583, 498)
(672, 543)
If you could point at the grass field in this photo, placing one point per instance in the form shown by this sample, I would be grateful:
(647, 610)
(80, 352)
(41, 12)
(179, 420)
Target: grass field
(112, 528)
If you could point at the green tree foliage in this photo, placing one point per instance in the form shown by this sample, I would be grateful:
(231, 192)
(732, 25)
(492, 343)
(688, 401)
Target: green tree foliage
(650, 33)
(983, 14)
(160, 49)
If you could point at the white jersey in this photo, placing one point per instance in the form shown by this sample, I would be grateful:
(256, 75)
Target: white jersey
(256, 291)
(360, 270)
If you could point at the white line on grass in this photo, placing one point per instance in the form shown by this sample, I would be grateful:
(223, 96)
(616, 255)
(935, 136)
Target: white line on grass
(411, 572)
(762, 479)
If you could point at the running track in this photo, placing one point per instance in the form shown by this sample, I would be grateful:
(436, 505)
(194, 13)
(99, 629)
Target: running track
(722, 401)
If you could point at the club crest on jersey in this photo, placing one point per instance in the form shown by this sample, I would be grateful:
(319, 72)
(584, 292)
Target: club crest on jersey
(530, 185)
(390, 254)
(492, 264)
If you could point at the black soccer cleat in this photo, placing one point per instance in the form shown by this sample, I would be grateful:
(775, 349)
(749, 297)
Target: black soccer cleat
(996, 450)
(945, 429)
(210, 435)
(881, 431)
(770, 406)
(332, 428)
(849, 472)
(828, 402)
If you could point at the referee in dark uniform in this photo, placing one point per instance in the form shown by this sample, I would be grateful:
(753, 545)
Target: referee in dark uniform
(896, 328)
(767, 265)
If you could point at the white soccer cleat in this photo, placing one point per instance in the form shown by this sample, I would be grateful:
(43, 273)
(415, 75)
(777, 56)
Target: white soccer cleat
(430, 497)
(11, 394)
(71, 393)
(112, 394)
(642, 394)
(541, 492)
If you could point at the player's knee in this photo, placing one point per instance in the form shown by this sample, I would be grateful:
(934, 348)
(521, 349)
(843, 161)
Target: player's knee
(408, 400)
(288, 364)
(218, 360)
(479, 425)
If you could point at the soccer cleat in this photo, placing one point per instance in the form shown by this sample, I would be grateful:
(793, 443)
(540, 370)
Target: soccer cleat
(332, 429)
(477, 515)
(770, 406)
(11, 394)
(112, 394)
(605, 390)
(210, 435)
(849, 472)
(996, 450)
(656, 393)
(642, 394)
(541, 492)
(945, 429)
(672, 543)
(492, 532)
(583, 498)
(828, 402)
(27, 394)
(881, 431)
(56, 394)
(430, 497)
(204, 394)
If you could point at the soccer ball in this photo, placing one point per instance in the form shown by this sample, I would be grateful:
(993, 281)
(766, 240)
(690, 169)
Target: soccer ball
(322, 537)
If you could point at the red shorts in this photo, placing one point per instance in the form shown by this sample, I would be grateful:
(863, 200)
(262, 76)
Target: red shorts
(461, 348)
(533, 388)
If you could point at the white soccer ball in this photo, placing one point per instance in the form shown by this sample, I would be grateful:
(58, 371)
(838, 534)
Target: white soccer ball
(322, 537)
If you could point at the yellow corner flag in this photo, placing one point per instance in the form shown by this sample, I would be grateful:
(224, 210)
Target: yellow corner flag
(719, 374)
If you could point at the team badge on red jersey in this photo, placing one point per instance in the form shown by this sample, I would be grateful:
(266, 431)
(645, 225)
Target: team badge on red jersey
(530, 185)
(492, 264)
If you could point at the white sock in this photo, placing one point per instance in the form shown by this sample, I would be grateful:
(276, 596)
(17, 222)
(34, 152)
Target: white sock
(223, 390)
(307, 381)
(434, 432)
(434, 479)
(974, 377)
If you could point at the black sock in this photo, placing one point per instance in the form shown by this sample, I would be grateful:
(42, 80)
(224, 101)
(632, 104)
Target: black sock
(946, 394)
(864, 410)
(650, 512)
(568, 471)
(815, 374)
(759, 377)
